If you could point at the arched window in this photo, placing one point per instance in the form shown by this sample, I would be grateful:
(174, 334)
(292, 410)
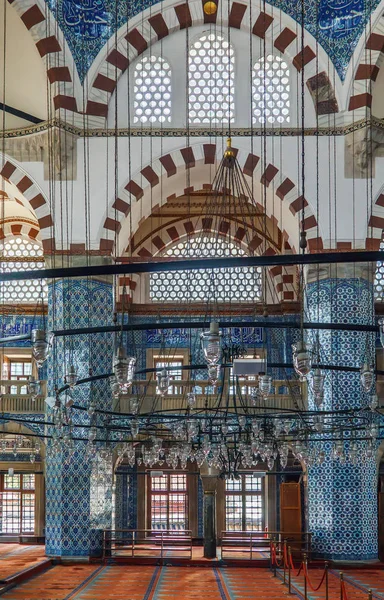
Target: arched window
(211, 80)
(20, 254)
(270, 90)
(152, 90)
(235, 284)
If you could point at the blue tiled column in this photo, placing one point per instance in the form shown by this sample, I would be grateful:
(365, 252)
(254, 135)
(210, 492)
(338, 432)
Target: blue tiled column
(78, 490)
(342, 498)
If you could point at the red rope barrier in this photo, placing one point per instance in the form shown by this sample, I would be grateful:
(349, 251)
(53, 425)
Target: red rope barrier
(343, 591)
(314, 589)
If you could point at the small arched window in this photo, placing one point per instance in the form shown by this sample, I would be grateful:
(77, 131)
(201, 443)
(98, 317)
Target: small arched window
(270, 90)
(152, 91)
(211, 64)
(21, 254)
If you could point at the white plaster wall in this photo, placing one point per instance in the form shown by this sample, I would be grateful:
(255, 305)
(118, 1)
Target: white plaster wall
(25, 70)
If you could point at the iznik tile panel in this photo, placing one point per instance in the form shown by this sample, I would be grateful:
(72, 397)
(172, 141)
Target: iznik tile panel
(342, 496)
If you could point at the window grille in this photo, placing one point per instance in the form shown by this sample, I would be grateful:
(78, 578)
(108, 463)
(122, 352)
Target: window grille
(244, 504)
(19, 254)
(168, 498)
(211, 63)
(236, 284)
(17, 504)
(270, 90)
(152, 90)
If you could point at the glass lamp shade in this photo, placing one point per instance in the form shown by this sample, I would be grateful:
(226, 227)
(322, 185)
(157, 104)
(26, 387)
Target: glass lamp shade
(33, 387)
(123, 367)
(381, 330)
(41, 345)
(163, 380)
(213, 374)
(302, 358)
(318, 386)
(367, 377)
(374, 402)
(211, 344)
(191, 399)
(265, 385)
(71, 377)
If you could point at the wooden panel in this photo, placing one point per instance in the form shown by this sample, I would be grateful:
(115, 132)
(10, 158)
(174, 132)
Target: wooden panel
(290, 507)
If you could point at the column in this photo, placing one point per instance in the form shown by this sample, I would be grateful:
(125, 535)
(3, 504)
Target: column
(78, 489)
(342, 497)
(209, 481)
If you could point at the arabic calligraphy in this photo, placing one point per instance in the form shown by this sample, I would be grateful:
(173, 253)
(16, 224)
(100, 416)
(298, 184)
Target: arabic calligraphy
(338, 18)
(86, 18)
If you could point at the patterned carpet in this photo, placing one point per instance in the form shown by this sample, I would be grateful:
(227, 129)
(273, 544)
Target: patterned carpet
(15, 558)
(141, 582)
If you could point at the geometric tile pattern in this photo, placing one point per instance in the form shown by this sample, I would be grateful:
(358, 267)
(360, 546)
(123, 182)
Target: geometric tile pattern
(342, 498)
(78, 490)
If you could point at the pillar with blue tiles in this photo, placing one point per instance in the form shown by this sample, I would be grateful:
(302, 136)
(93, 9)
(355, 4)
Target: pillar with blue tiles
(79, 490)
(342, 497)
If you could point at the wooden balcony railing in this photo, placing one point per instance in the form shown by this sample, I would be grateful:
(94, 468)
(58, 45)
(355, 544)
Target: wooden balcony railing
(291, 398)
(15, 399)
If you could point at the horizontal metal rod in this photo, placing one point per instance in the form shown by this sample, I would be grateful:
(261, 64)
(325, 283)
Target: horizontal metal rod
(20, 113)
(200, 263)
(265, 323)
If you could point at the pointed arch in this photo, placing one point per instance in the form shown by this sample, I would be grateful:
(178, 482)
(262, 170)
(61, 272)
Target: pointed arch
(159, 22)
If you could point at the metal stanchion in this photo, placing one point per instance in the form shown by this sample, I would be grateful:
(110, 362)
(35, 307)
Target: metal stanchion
(369, 594)
(284, 559)
(305, 577)
(341, 585)
(289, 570)
(326, 581)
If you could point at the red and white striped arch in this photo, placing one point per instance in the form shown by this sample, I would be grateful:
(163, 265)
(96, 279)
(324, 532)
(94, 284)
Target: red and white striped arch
(11, 172)
(165, 178)
(162, 20)
(367, 70)
(53, 49)
(284, 279)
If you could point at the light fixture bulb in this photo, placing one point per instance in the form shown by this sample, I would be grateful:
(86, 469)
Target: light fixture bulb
(367, 377)
(191, 399)
(318, 386)
(265, 385)
(71, 377)
(213, 374)
(302, 358)
(163, 381)
(381, 330)
(211, 344)
(33, 387)
(41, 345)
(123, 367)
